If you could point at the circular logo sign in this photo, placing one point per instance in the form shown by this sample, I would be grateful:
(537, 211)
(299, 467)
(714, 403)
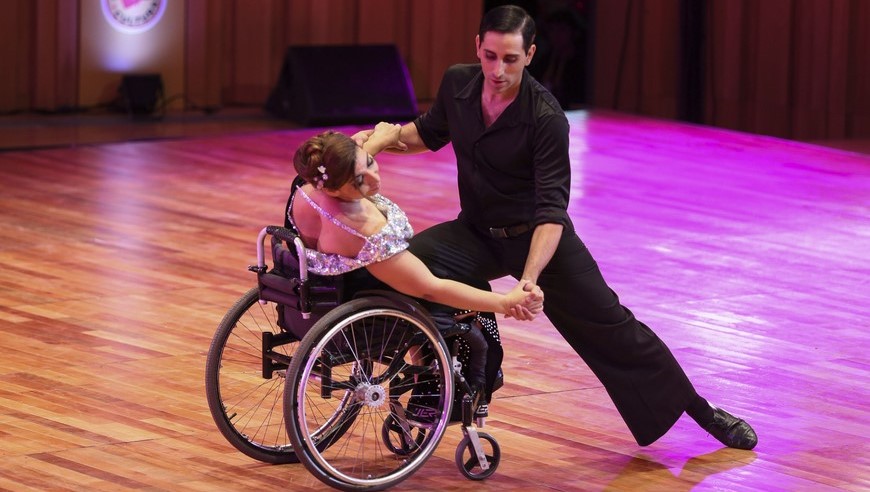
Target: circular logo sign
(133, 16)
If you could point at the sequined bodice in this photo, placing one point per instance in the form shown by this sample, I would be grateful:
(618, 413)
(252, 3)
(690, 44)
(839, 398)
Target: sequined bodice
(390, 240)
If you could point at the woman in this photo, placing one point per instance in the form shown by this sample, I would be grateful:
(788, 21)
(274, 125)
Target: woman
(346, 225)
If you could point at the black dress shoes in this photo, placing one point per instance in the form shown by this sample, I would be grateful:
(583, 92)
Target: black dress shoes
(731, 431)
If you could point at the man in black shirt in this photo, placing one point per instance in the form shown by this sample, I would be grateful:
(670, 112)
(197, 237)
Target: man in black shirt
(510, 137)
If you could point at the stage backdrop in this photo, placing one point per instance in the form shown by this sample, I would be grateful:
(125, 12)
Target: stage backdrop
(789, 68)
(223, 52)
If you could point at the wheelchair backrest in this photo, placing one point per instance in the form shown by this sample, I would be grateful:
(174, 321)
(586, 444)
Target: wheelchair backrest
(302, 298)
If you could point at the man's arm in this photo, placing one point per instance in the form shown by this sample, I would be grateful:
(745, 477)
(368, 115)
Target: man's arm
(552, 170)
(545, 239)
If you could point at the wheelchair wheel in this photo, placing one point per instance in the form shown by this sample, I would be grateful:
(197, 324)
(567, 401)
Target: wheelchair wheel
(376, 358)
(400, 439)
(469, 464)
(244, 386)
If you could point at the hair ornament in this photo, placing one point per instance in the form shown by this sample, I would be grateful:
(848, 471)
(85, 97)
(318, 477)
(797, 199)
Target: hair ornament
(323, 178)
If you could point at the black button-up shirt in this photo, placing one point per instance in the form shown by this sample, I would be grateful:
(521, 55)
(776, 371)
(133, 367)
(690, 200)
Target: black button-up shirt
(514, 172)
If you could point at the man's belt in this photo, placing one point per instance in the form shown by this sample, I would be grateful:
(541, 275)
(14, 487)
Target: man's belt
(509, 231)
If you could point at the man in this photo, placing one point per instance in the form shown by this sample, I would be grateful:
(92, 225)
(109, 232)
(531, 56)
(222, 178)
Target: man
(511, 142)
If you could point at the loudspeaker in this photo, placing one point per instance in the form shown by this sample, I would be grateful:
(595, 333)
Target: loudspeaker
(334, 85)
(139, 94)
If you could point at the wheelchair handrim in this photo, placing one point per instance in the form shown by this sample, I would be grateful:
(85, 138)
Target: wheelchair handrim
(435, 433)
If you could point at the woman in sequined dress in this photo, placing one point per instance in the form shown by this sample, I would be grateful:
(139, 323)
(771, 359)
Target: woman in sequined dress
(347, 226)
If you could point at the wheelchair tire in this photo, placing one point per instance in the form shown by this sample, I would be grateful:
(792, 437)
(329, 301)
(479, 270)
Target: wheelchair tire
(373, 351)
(245, 405)
(469, 464)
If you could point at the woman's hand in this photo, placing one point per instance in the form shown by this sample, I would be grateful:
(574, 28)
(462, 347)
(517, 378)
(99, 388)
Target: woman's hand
(362, 137)
(524, 301)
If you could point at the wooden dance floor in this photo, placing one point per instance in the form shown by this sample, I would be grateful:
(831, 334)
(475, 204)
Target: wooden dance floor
(748, 255)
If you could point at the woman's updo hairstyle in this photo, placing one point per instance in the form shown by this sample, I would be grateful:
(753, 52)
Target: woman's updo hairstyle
(330, 153)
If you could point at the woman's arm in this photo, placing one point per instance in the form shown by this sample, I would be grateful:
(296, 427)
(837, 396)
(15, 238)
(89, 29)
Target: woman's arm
(408, 275)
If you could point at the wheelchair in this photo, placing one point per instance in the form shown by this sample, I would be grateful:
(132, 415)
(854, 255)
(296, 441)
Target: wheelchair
(358, 387)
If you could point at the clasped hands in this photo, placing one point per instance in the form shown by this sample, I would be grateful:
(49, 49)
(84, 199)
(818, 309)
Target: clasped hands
(526, 300)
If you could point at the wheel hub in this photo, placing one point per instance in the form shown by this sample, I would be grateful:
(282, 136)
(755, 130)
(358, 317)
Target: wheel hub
(371, 395)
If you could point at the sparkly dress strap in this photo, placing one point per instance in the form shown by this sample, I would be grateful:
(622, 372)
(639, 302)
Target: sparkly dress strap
(329, 216)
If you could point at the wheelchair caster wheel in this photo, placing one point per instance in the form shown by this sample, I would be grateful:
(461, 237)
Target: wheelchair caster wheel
(399, 441)
(469, 464)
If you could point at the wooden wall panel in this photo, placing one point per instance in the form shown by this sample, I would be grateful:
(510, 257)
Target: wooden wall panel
(45, 54)
(234, 50)
(388, 22)
(724, 95)
(67, 53)
(858, 73)
(297, 19)
(820, 81)
(204, 47)
(384, 22)
(635, 56)
(16, 54)
(627, 85)
(659, 67)
(609, 47)
(45, 51)
(442, 35)
(837, 70)
(429, 34)
(772, 23)
(251, 61)
(788, 68)
(810, 92)
(421, 50)
(38, 55)
(334, 22)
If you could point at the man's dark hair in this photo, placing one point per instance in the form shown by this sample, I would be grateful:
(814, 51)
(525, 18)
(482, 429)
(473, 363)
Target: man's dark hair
(509, 19)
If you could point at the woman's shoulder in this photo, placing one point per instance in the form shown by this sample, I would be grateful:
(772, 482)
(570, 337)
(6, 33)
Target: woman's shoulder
(305, 217)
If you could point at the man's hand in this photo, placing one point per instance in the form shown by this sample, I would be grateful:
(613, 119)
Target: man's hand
(383, 136)
(526, 301)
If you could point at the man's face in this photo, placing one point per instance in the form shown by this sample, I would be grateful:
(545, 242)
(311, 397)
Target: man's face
(503, 59)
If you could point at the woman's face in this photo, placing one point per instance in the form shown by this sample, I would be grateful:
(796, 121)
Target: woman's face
(366, 180)
(503, 59)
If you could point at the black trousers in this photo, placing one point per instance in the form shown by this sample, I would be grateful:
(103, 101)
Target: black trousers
(642, 377)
